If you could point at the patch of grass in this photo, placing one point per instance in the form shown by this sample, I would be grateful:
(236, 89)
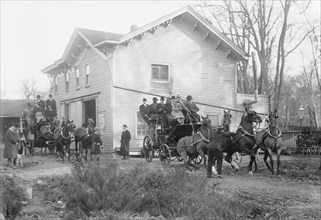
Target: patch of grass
(11, 197)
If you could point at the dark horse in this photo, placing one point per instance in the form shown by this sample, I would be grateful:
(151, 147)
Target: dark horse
(46, 136)
(241, 141)
(269, 141)
(62, 137)
(186, 145)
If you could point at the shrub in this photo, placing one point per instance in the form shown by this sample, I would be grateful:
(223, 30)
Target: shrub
(168, 192)
(12, 196)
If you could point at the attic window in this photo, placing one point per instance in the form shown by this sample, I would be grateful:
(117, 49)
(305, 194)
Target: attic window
(87, 77)
(160, 72)
(56, 84)
(67, 81)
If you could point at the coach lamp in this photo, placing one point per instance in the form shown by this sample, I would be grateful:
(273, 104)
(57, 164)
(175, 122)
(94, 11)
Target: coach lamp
(301, 111)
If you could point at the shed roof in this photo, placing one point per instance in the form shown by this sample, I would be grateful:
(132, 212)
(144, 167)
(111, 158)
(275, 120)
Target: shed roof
(12, 107)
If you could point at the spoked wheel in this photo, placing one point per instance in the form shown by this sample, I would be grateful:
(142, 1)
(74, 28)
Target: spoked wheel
(149, 151)
(198, 160)
(165, 154)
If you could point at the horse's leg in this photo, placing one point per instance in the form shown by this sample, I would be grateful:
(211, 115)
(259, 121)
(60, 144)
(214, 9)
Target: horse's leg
(76, 146)
(183, 154)
(201, 153)
(271, 160)
(210, 162)
(278, 161)
(266, 155)
(68, 150)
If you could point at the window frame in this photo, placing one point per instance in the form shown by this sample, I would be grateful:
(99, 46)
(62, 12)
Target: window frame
(137, 136)
(77, 78)
(153, 64)
(67, 85)
(215, 115)
(87, 75)
(56, 84)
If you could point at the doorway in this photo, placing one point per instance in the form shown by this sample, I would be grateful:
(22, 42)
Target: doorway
(90, 110)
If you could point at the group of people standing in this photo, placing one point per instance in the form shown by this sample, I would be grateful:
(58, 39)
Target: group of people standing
(174, 110)
(41, 109)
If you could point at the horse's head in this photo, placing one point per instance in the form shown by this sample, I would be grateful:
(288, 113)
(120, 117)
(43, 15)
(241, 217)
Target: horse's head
(206, 122)
(69, 126)
(227, 118)
(272, 118)
(253, 117)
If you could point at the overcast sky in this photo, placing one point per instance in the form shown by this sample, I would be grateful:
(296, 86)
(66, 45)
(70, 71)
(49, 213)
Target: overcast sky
(35, 33)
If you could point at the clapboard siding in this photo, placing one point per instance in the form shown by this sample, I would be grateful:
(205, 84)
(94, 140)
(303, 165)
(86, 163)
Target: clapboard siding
(196, 68)
(100, 84)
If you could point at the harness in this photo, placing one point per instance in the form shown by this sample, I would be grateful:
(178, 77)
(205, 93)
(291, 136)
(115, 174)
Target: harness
(61, 134)
(202, 138)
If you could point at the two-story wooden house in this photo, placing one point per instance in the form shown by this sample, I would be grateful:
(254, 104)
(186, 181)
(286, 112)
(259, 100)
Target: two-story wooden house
(105, 76)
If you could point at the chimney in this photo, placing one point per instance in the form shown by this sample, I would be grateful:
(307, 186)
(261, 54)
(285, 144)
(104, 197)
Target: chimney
(133, 27)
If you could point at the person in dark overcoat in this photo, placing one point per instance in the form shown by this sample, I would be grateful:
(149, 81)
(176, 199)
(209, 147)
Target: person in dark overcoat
(51, 102)
(96, 143)
(162, 111)
(40, 104)
(12, 141)
(144, 111)
(124, 146)
(50, 114)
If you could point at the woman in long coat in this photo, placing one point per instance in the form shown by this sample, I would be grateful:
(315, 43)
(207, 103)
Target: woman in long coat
(12, 139)
(124, 146)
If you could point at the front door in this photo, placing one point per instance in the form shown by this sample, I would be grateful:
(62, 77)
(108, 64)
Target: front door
(90, 110)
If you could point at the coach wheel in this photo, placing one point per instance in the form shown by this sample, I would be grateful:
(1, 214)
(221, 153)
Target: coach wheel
(165, 154)
(148, 149)
(198, 160)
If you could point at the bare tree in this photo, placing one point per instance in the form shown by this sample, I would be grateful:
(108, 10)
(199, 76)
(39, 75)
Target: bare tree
(28, 88)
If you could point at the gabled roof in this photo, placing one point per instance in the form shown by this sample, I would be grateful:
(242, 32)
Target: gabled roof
(12, 107)
(94, 38)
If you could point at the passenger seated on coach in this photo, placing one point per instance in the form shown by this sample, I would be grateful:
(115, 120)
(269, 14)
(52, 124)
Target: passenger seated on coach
(191, 111)
(177, 108)
(153, 111)
(162, 112)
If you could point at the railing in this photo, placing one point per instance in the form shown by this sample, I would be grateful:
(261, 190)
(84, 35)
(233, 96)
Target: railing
(303, 143)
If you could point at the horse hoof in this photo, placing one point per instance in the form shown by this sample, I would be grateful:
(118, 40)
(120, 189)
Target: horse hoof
(251, 173)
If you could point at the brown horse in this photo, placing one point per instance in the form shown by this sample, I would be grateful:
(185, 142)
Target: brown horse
(194, 145)
(269, 141)
(62, 137)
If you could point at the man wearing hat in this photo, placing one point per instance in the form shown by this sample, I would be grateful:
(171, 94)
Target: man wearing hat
(144, 111)
(191, 110)
(51, 102)
(162, 111)
(153, 110)
(124, 143)
(12, 140)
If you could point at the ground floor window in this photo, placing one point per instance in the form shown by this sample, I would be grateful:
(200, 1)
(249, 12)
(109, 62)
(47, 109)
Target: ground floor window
(142, 127)
(214, 119)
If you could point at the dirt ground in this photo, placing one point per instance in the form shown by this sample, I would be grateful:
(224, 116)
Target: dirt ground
(295, 194)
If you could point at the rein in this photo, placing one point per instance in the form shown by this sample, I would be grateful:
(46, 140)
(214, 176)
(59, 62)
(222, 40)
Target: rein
(202, 138)
(273, 136)
(61, 133)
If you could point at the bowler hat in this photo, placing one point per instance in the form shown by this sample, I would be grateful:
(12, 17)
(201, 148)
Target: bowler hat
(173, 97)
(144, 99)
(155, 99)
(162, 98)
(50, 95)
(189, 98)
(38, 96)
(125, 125)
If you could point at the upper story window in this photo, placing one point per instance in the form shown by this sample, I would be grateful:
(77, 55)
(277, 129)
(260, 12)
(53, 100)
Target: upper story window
(67, 81)
(87, 77)
(160, 72)
(56, 84)
(77, 77)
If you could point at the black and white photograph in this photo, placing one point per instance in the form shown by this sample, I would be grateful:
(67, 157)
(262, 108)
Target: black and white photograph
(160, 110)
